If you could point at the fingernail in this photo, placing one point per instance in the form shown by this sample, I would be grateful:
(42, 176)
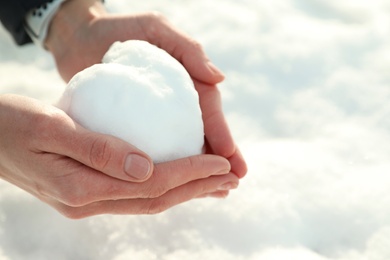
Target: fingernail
(214, 69)
(228, 186)
(222, 172)
(137, 167)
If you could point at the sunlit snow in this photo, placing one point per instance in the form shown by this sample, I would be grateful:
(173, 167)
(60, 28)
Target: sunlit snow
(142, 95)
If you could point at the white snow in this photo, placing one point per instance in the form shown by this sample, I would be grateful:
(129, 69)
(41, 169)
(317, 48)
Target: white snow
(142, 95)
(307, 97)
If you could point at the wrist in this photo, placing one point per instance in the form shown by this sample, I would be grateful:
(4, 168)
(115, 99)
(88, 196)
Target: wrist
(70, 23)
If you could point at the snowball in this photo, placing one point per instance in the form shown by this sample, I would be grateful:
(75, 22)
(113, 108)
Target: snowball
(142, 95)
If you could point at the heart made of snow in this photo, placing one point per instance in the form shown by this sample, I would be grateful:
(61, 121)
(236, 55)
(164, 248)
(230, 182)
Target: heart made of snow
(142, 95)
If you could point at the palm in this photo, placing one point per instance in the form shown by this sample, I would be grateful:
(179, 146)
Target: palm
(95, 40)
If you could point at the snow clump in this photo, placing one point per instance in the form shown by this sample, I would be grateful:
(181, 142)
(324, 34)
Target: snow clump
(142, 95)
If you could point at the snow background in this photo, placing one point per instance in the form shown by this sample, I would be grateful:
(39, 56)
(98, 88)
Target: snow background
(307, 98)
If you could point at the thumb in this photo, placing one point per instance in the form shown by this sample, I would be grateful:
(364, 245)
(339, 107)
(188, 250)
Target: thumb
(108, 154)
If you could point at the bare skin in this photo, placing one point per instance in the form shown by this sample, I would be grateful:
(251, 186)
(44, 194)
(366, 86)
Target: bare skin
(82, 173)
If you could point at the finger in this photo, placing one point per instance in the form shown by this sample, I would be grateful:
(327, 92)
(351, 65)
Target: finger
(173, 174)
(185, 49)
(79, 185)
(215, 194)
(104, 153)
(238, 164)
(218, 137)
(111, 156)
(216, 129)
(166, 176)
(148, 206)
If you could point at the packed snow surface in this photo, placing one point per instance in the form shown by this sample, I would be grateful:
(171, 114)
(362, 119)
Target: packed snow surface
(142, 95)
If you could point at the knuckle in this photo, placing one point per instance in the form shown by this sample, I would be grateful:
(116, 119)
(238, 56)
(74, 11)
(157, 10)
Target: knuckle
(154, 191)
(71, 212)
(194, 162)
(99, 154)
(156, 206)
(72, 199)
(197, 45)
(155, 16)
(157, 186)
(155, 24)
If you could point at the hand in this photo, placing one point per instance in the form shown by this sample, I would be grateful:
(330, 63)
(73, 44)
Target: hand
(81, 173)
(82, 32)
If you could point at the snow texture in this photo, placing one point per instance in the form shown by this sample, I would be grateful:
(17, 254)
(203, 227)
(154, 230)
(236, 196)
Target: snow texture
(307, 98)
(142, 95)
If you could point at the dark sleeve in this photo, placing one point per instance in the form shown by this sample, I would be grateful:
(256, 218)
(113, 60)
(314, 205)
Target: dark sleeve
(12, 13)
